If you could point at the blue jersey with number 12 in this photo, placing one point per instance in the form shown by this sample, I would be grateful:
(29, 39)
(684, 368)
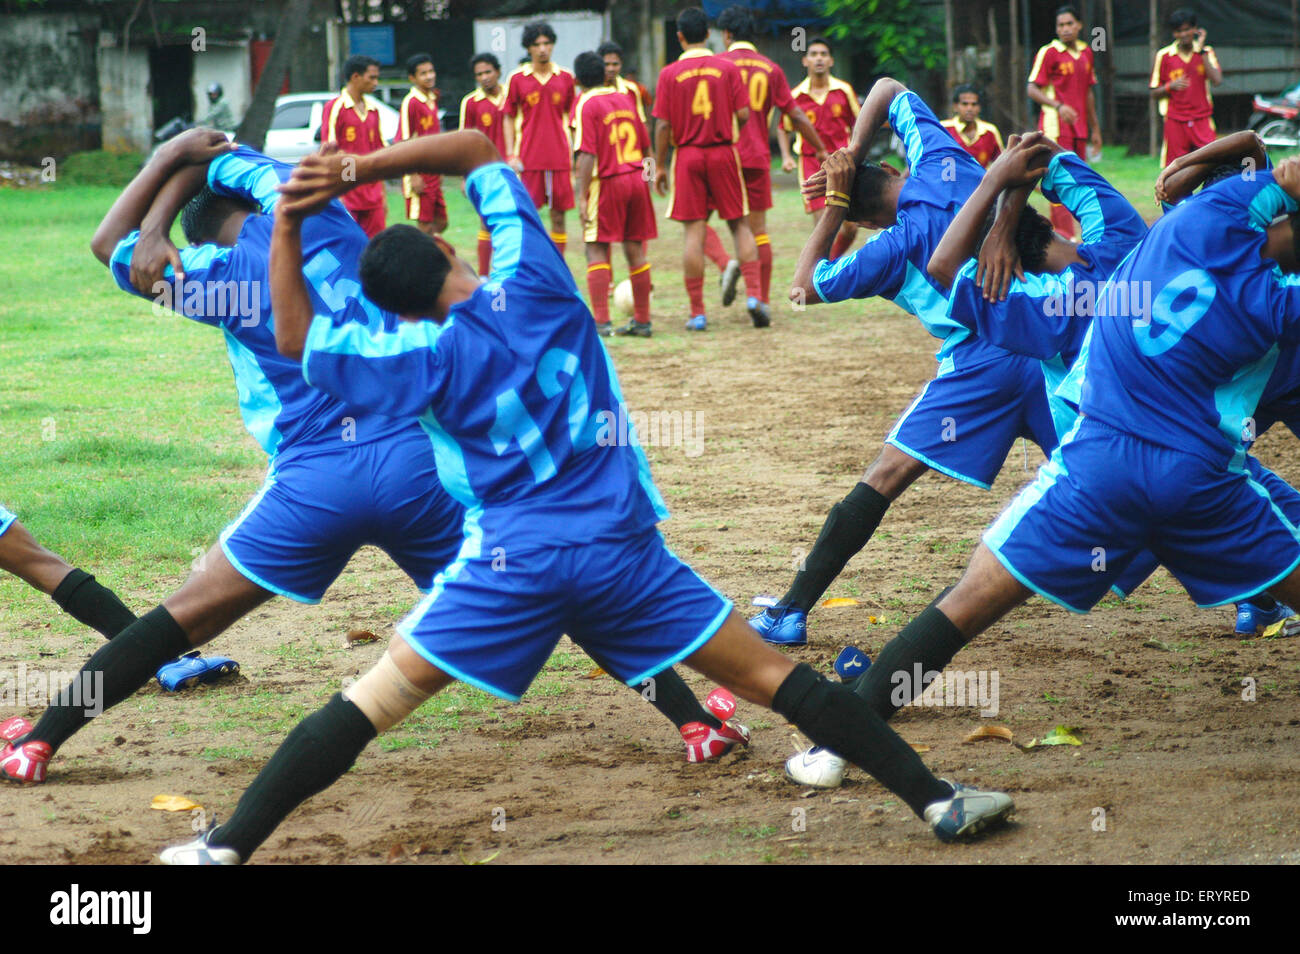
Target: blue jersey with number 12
(515, 390)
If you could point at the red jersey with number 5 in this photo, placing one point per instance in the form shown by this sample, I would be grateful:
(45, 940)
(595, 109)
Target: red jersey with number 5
(342, 122)
(767, 86)
(487, 114)
(698, 96)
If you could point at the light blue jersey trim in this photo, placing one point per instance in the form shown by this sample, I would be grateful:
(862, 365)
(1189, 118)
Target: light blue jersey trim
(7, 517)
(449, 459)
(903, 119)
(643, 475)
(1237, 400)
(233, 173)
(357, 339)
(1081, 200)
(1270, 202)
(259, 405)
(1028, 583)
(920, 298)
(496, 205)
(1260, 489)
(708, 633)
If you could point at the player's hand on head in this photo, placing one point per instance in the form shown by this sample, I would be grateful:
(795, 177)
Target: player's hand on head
(1287, 174)
(200, 145)
(998, 263)
(152, 254)
(317, 179)
(840, 172)
(1013, 167)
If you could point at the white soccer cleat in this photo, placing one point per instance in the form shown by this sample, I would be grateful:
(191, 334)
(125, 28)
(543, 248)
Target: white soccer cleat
(199, 852)
(815, 768)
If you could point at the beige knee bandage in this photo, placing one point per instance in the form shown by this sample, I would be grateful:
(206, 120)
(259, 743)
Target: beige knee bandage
(385, 695)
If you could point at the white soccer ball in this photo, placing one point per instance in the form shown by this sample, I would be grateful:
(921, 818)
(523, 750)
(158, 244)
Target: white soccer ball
(623, 297)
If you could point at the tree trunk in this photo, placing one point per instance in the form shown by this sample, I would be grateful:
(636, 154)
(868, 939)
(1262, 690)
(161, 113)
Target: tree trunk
(252, 131)
(1153, 45)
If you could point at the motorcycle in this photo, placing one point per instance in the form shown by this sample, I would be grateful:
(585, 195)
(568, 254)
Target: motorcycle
(1277, 119)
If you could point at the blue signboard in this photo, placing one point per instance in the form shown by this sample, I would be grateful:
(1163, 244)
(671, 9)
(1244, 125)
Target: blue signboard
(373, 40)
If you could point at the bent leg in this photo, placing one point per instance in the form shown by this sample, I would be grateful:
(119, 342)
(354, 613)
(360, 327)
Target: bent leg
(26, 559)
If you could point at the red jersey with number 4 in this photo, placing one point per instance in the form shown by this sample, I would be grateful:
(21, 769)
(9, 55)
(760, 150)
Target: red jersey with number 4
(832, 112)
(342, 122)
(540, 109)
(1194, 102)
(609, 128)
(1066, 76)
(767, 87)
(698, 96)
(487, 114)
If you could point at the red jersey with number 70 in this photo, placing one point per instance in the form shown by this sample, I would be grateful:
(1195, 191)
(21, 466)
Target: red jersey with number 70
(698, 96)
(767, 86)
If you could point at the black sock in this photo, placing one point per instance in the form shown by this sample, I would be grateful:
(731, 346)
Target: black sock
(674, 699)
(847, 529)
(832, 716)
(92, 603)
(126, 663)
(928, 642)
(314, 756)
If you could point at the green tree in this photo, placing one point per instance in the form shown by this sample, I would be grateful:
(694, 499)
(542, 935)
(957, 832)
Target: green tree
(896, 36)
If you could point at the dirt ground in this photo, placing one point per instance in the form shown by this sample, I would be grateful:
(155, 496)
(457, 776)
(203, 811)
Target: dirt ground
(1175, 765)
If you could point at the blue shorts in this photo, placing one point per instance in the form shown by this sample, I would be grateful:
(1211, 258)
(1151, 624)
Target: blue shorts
(966, 420)
(493, 620)
(6, 518)
(1104, 497)
(1283, 494)
(317, 509)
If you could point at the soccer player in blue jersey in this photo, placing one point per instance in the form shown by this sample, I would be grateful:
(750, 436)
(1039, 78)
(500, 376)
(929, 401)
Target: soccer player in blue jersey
(340, 476)
(1166, 387)
(981, 399)
(517, 395)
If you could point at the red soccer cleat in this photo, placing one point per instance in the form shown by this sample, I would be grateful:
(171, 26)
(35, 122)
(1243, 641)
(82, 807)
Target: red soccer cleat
(26, 761)
(704, 744)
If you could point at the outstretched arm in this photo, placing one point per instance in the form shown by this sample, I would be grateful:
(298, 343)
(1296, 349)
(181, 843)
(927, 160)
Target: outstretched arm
(1181, 177)
(191, 147)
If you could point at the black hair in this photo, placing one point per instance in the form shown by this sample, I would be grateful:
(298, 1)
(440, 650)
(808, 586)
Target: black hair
(739, 22)
(608, 47)
(1180, 16)
(589, 70)
(1034, 234)
(1220, 172)
(965, 88)
(866, 198)
(203, 215)
(357, 64)
(488, 58)
(413, 63)
(403, 270)
(1070, 9)
(823, 41)
(693, 25)
(536, 29)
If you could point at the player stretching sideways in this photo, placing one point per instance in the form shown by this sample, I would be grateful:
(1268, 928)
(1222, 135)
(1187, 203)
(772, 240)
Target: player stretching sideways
(611, 140)
(1061, 82)
(484, 109)
(831, 106)
(981, 399)
(767, 87)
(700, 106)
(351, 119)
(539, 96)
(579, 513)
(425, 204)
(1180, 81)
(982, 140)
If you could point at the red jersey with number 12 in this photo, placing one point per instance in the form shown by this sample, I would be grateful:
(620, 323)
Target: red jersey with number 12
(698, 96)
(610, 129)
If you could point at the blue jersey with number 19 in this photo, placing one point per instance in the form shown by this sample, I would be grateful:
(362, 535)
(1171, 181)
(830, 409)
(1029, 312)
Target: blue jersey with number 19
(515, 390)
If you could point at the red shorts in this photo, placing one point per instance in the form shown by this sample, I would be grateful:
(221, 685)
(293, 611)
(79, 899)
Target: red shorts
(549, 187)
(1075, 145)
(1185, 135)
(707, 179)
(429, 205)
(372, 221)
(619, 210)
(758, 188)
(807, 166)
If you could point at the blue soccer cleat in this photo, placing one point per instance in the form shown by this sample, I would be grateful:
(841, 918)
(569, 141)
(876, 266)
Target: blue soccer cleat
(967, 813)
(1251, 619)
(851, 663)
(782, 626)
(759, 313)
(192, 669)
(698, 323)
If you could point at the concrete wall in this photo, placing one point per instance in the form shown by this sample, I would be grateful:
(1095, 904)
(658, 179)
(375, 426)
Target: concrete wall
(124, 99)
(49, 98)
(227, 63)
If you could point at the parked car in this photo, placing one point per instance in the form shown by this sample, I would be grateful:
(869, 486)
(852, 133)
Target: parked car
(295, 124)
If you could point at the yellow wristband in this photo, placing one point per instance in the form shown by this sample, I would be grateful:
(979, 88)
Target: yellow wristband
(838, 195)
(838, 203)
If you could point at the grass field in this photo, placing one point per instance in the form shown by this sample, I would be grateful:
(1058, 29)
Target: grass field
(124, 452)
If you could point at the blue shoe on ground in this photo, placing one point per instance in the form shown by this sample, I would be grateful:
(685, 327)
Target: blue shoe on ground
(192, 669)
(851, 663)
(781, 626)
(759, 313)
(698, 323)
(1251, 619)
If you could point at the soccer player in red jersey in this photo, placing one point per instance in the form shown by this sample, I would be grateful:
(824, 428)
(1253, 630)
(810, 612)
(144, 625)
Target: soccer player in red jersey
(611, 55)
(485, 110)
(419, 117)
(1061, 83)
(700, 105)
(539, 96)
(1180, 81)
(767, 87)
(351, 119)
(611, 141)
(982, 140)
(831, 106)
